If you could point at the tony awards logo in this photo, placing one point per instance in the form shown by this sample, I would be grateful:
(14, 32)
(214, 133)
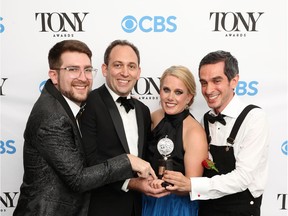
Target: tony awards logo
(165, 147)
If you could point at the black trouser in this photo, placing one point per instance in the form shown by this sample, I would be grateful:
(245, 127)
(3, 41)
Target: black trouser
(240, 204)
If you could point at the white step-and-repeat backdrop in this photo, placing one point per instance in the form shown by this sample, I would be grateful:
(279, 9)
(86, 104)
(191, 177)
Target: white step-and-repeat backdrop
(167, 32)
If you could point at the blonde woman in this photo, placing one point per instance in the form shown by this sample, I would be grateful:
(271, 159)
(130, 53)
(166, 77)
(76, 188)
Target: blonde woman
(174, 124)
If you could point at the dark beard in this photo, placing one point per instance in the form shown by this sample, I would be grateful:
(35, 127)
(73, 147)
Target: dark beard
(72, 97)
(70, 94)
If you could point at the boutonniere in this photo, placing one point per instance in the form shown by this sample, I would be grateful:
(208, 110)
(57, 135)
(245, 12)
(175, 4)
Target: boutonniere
(208, 164)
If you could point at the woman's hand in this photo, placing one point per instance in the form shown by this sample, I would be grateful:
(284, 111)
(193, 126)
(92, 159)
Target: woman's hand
(179, 182)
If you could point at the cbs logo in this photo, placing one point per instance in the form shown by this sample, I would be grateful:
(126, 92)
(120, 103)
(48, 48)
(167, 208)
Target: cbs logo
(7, 147)
(149, 24)
(2, 27)
(246, 88)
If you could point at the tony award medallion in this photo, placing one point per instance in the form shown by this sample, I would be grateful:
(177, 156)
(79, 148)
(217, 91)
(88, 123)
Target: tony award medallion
(165, 147)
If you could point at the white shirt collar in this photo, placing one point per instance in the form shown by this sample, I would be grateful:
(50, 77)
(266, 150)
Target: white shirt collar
(114, 95)
(73, 106)
(234, 107)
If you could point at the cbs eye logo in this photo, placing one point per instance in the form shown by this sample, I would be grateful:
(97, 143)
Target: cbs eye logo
(41, 86)
(149, 24)
(284, 148)
(2, 27)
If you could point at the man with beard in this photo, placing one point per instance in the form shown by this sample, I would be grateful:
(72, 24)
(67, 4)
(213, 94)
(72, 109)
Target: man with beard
(56, 179)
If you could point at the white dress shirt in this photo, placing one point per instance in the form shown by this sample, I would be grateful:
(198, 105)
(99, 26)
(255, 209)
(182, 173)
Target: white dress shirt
(250, 151)
(75, 109)
(129, 122)
(73, 106)
(131, 129)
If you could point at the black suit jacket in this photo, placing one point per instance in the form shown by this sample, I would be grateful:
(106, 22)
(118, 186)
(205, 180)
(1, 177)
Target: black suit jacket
(55, 178)
(104, 137)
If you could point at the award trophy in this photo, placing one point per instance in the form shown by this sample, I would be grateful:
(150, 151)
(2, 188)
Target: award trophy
(165, 147)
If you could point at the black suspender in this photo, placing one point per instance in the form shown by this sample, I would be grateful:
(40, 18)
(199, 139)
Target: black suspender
(206, 127)
(236, 125)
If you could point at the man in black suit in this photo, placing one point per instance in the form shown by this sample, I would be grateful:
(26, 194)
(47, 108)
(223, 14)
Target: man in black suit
(55, 173)
(111, 128)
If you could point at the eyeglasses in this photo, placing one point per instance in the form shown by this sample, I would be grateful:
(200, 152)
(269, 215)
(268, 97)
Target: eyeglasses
(75, 72)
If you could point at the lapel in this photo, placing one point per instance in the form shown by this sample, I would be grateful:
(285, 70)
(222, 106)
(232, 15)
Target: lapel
(115, 116)
(52, 90)
(140, 123)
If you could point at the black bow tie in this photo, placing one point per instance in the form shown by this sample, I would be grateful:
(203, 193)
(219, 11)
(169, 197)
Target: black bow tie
(127, 103)
(219, 118)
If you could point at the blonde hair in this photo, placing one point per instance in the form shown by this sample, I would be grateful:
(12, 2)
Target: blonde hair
(185, 75)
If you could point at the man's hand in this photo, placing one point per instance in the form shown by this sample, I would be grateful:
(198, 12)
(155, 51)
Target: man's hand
(144, 186)
(143, 168)
(180, 182)
(156, 183)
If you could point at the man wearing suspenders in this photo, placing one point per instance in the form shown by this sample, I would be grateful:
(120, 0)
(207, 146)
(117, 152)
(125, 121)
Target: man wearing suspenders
(238, 137)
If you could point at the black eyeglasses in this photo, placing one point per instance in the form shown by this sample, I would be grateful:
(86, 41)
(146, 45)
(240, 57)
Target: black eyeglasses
(75, 72)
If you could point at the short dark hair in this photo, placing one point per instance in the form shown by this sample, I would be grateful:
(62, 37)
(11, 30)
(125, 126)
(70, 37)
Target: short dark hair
(231, 64)
(54, 56)
(121, 43)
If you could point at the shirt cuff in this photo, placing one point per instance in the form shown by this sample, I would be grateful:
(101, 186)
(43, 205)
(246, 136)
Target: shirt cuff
(199, 188)
(125, 185)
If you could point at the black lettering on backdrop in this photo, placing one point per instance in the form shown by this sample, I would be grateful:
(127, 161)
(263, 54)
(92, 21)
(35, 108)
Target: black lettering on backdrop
(58, 22)
(144, 85)
(230, 21)
(7, 200)
(283, 198)
(1, 87)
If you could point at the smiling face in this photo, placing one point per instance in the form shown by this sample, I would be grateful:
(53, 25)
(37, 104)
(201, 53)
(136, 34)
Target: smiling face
(174, 95)
(215, 86)
(76, 89)
(122, 71)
